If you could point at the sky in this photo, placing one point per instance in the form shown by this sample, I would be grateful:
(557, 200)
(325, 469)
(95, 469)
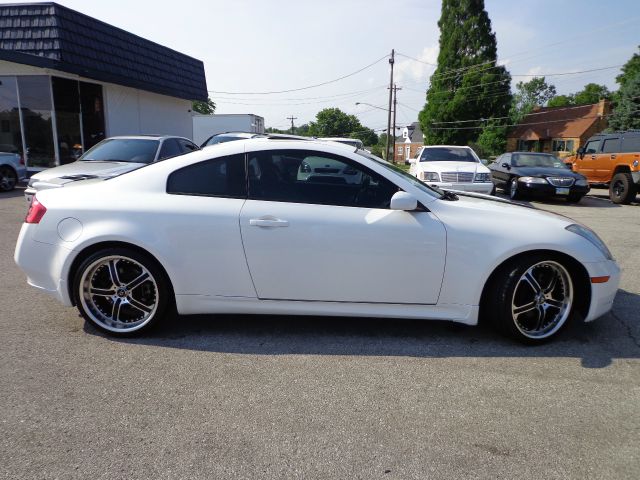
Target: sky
(252, 46)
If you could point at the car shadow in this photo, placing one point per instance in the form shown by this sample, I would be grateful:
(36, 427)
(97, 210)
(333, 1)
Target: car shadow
(17, 192)
(596, 344)
(590, 200)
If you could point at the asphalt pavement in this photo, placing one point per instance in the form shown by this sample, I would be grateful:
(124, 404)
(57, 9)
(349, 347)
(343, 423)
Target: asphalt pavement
(307, 397)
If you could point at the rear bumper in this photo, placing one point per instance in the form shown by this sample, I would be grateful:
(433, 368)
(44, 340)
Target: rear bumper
(484, 187)
(602, 294)
(45, 265)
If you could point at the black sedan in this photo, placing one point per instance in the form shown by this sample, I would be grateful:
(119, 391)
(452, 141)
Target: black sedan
(528, 174)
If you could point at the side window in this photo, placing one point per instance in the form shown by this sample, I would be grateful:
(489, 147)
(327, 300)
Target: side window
(611, 145)
(218, 177)
(186, 146)
(303, 176)
(506, 158)
(592, 146)
(631, 144)
(170, 148)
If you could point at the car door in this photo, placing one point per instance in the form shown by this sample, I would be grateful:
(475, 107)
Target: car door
(499, 173)
(586, 163)
(607, 158)
(318, 236)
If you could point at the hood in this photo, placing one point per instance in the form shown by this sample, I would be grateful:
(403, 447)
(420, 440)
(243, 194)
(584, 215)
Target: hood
(545, 172)
(88, 168)
(472, 167)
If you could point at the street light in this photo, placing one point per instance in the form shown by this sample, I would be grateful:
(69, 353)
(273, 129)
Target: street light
(374, 106)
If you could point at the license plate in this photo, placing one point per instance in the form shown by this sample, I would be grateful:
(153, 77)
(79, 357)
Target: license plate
(562, 191)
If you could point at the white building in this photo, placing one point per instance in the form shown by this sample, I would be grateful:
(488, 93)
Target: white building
(68, 80)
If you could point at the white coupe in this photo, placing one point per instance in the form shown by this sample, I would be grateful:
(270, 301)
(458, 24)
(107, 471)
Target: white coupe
(452, 168)
(236, 228)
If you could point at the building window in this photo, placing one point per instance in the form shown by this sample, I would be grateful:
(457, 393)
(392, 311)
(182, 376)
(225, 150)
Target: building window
(561, 145)
(37, 118)
(10, 136)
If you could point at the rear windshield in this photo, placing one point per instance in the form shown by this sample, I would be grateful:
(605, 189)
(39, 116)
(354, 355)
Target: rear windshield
(135, 150)
(533, 160)
(447, 154)
(222, 139)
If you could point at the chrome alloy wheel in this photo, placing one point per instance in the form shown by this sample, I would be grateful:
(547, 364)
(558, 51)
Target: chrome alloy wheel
(542, 299)
(118, 293)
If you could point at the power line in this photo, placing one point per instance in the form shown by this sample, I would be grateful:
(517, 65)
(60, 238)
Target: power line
(307, 87)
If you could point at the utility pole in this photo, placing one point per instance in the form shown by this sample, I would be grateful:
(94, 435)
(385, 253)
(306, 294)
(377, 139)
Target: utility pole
(292, 118)
(391, 62)
(395, 108)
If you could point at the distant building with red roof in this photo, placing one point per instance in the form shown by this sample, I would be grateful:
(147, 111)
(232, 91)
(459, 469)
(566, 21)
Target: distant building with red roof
(558, 130)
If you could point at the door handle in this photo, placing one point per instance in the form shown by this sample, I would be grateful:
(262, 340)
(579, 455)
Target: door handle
(613, 156)
(268, 222)
(593, 157)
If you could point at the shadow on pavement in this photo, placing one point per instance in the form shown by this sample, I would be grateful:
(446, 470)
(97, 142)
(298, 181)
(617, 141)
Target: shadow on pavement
(614, 336)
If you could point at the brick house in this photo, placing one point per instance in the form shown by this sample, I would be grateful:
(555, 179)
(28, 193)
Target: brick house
(558, 130)
(408, 143)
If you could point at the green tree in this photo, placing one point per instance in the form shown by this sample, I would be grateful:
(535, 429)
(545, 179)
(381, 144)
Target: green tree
(467, 84)
(591, 93)
(303, 130)
(629, 70)
(275, 130)
(333, 122)
(368, 136)
(206, 108)
(378, 148)
(626, 114)
(492, 141)
(561, 101)
(529, 94)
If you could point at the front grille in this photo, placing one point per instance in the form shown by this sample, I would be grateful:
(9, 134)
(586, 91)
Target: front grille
(457, 177)
(561, 181)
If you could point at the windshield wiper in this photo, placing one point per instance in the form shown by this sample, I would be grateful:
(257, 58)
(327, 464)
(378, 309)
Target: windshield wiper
(449, 195)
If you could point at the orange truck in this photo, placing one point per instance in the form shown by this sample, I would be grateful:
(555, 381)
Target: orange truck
(611, 159)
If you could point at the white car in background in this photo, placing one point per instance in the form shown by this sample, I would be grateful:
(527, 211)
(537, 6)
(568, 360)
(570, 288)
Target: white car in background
(451, 167)
(234, 228)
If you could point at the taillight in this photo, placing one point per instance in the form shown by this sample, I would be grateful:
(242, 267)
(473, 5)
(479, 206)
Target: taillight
(36, 211)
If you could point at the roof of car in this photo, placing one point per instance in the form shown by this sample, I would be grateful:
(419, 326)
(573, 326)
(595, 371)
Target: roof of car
(145, 137)
(446, 146)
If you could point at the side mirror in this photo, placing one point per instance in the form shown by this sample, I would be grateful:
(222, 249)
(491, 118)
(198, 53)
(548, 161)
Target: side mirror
(403, 201)
(506, 165)
(580, 152)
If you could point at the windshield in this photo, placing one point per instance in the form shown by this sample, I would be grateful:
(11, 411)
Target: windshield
(536, 160)
(447, 154)
(222, 139)
(433, 192)
(135, 150)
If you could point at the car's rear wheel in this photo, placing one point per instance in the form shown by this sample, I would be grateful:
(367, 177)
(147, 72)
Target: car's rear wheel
(532, 298)
(121, 291)
(8, 179)
(622, 189)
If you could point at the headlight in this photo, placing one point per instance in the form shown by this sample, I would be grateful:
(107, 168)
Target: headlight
(429, 176)
(482, 177)
(532, 180)
(582, 182)
(592, 237)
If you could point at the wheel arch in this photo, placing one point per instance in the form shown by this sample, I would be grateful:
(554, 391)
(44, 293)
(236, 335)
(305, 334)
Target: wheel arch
(621, 168)
(579, 276)
(91, 249)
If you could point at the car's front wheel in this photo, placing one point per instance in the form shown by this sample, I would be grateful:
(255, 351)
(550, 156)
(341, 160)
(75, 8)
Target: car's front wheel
(8, 179)
(532, 298)
(121, 291)
(514, 194)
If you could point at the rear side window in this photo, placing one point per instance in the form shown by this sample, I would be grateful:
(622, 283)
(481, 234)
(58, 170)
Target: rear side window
(631, 144)
(611, 145)
(218, 177)
(186, 146)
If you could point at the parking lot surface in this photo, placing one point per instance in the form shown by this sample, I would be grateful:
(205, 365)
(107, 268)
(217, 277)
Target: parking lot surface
(308, 397)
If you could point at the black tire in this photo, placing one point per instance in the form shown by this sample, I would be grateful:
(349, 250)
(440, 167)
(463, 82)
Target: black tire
(8, 179)
(493, 190)
(136, 307)
(509, 288)
(512, 189)
(574, 198)
(622, 190)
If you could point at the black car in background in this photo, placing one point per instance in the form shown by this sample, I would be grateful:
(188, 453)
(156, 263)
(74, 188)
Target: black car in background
(529, 174)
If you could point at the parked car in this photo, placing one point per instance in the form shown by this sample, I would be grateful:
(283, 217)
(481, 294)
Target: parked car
(451, 168)
(529, 174)
(12, 169)
(228, 137)
(611, 159)
(209, 232)
(352, 142)
(111, 157)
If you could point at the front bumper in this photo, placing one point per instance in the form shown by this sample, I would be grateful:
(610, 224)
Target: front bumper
(484, 187)
(602, 294)
(548, 190)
